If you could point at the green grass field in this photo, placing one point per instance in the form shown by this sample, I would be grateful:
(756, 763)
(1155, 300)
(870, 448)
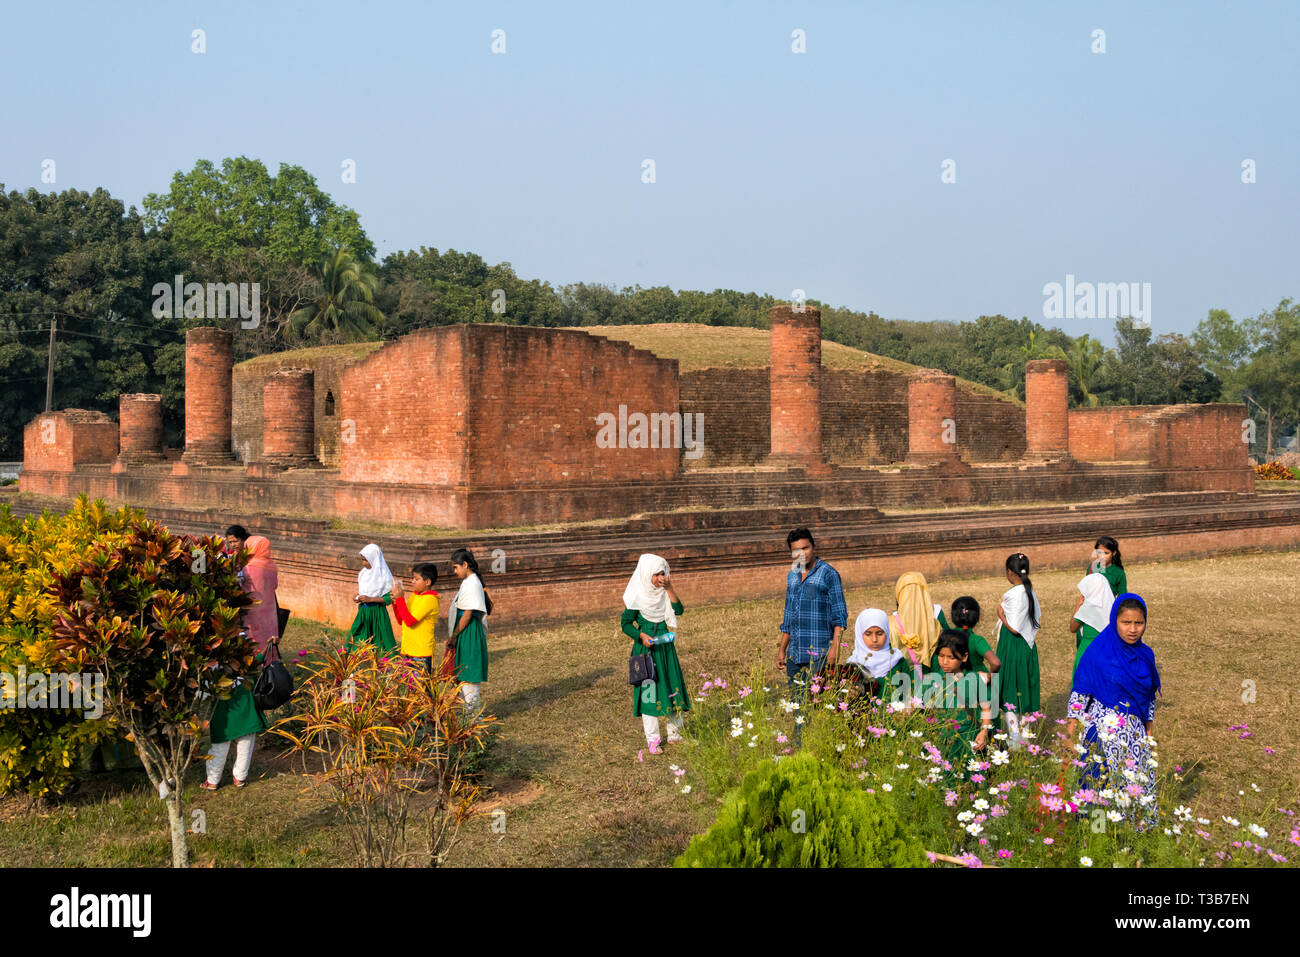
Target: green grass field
(564, 765)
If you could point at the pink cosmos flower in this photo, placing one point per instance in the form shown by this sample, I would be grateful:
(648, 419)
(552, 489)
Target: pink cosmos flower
(1048, 840)
(1049, 789)
(1005, 854)
(1053, 804)
(930, 856)
(950, 798)
(746, 691)
(977, 778)
(781, 739)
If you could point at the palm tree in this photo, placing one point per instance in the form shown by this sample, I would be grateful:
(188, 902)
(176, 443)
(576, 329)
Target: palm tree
(342, 303)
(1086, 357)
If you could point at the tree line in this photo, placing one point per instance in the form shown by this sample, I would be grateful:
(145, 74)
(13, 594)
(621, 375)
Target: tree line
(91, 264)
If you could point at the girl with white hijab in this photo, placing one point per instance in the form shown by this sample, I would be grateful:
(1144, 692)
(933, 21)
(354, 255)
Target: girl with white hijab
(1092, 614)
(874, 654)
(467, 628)
(650, 620)
(374, 595)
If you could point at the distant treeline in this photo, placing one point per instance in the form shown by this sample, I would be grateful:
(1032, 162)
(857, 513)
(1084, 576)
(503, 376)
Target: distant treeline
(92, 264)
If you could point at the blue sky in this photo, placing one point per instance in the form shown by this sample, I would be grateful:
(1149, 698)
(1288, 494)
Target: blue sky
(774, 170)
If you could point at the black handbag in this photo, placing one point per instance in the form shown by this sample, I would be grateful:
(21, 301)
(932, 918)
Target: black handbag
(641, 668)
(274, 685)
(282, 618)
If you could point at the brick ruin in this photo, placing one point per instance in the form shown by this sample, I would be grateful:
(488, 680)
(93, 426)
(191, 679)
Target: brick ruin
(496, 427)
(481, 426)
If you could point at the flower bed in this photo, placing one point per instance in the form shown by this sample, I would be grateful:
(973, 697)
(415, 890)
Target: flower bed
(1033, 806)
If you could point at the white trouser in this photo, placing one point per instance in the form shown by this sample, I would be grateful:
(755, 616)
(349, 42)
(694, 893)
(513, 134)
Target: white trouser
(1014, 741)
(470, 695)
(243, 758)
(650, 724)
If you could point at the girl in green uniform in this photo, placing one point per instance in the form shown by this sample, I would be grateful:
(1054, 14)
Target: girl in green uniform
(1092, 614)
(876, 660)
(467, 628)
(650, 620)
(1106, 560)
(965, 616)
(374, 595)
(237, 719)
(1019, 618)
(959, 698)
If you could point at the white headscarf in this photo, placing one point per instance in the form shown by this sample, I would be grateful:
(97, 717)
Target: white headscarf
(1015, 603)
(877, 663)
(641, 594)
(1097, 599)
(469, 598)
(375, 581)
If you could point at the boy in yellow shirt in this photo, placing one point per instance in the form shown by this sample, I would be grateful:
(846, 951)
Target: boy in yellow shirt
(418, 614)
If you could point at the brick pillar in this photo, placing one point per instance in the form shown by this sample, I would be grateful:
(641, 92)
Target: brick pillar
(209, 359)
(796, 389)
(1047, 409)
(139, 419)
(289, 418)
(931, 417)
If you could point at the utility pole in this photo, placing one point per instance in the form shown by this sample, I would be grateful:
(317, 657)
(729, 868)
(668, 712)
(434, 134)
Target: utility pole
(49, 370)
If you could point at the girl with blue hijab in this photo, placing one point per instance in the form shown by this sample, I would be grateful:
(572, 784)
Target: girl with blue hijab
(1114, 695)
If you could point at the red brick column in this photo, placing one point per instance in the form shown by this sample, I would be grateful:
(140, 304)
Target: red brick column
(208, 362)
(796, 388)
(1047, 409)
(931, 417)
(139, 419)
(289, 417)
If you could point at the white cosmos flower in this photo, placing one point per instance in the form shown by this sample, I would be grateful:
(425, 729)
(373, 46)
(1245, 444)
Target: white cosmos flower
(974, 829)
(1258, 831)
(887, 786)
(1114, 816)
(1231, 820)
(980, 804)
(1086, 861)
(999, 757)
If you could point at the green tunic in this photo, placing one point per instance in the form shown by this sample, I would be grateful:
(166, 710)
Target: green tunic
(979, 645)
(372, 625)
(955, 701)
(668, 695)
(885, 687)
(1113, 574)
(1082, 639)
(1018, 677)
(471, 648)
(238, 715)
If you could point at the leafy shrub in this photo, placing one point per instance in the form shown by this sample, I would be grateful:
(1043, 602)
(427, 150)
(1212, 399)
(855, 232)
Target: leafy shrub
(1273, 471)
(40, 748)
(385, 732)
(158, 616)
(801, 812)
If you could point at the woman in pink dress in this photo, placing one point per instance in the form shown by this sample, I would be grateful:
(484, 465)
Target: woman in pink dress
(260, 579)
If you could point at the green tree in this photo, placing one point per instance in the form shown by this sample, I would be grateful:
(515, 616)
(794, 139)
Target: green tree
(1271, 380)
(341, 306)
(1086, 358)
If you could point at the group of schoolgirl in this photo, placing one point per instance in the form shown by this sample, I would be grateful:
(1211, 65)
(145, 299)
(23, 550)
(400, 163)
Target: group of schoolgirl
(918, 653)
(465, 656)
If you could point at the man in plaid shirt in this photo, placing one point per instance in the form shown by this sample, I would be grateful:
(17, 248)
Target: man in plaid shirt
(815, 612)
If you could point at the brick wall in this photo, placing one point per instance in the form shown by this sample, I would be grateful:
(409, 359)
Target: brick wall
(864, 418)
(63, 441)
(490, 405)
(535, 397)
(1196, 437)
(250, 381)
(1116, 433)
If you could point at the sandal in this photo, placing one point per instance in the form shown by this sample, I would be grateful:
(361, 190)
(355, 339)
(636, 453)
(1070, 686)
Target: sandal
(239, 783)
(205, 786)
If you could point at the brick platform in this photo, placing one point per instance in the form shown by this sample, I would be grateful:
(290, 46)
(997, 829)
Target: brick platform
(574, 573)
